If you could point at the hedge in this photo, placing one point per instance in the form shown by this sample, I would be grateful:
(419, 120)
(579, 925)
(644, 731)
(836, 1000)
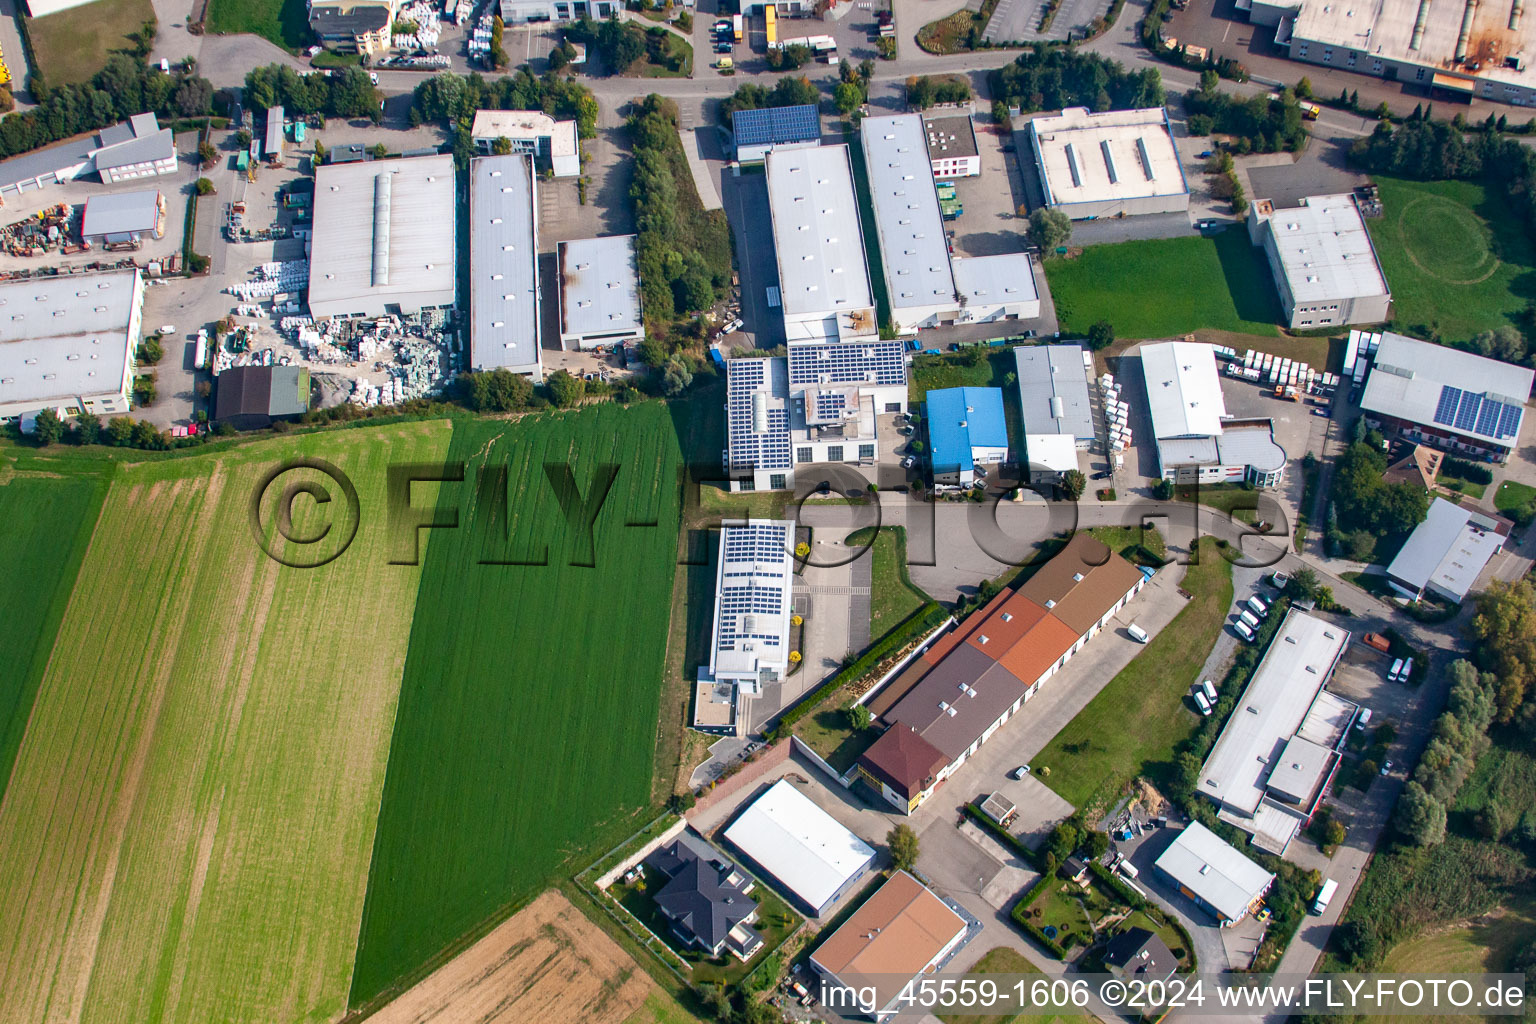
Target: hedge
(1467, 471)
(1136, 901)
(1033, 930)
(1011, 840)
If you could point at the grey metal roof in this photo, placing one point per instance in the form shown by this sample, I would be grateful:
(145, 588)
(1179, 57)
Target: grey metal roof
(1214, 870)
(1448, 549)
(74, 152)
(140, 141)
(1300, 768)
(114, 213)
(911, 229)
(988, 282)
(383, 235)
(1411, 380)
(66, 336)
(503, 265)
(816, 231)
(599, 286)
(273, 145)
(1053, 390)
(1325, 251)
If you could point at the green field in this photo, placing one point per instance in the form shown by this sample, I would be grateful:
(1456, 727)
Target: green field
(1179, 284)
(187, 831)
(1512, 494)
(1096, 754)
(528, 712)
(284, 22)
(893, 595)
(661, 1008)
(1003, 960)
(1456, 257)
(48, 523)
(73, 45)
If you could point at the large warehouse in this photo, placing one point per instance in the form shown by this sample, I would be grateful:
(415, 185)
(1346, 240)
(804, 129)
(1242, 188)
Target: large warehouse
(1214, 874)
(1452, 50)
(599, 292)
(1108, 164)
(1270, 766)
(823, 278)
(76, 352)
(899, 934)
(814, 859)
(123, 218)
(381, 242)
(1196, 443)
(1055, 407)
(754, 581)
(504, 266)
(761, 130)
(131, 149)
(1446, 552)
(1323, 262)
(1456, 401)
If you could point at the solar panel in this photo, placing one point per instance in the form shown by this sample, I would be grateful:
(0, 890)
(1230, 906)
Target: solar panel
(800, 123)
(1488, 418)
(1445, 410)
(1509, 421)
(880, 363)
(1467, 414)
(746, 448)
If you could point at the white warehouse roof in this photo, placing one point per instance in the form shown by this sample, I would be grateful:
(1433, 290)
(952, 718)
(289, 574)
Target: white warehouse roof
(527, 126)
(1183, 390)
(800, 844)
(383, 235)
(816, 231)
(1447, 550)
(913, 248)
(1003, 279)
(66, 337)
(599, 287)
(503, 265)
(1325, 251)
(1053, 391)
(1091, 157)
(1271, 710)
(1213, 869)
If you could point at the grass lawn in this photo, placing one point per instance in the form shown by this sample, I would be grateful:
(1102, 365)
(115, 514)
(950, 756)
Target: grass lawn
(1226, 498)
(1487, 943)
(650, 70)
(1068, 908)
(1180, 284)
(893, 596)
(1513, 495)
(1098, 752)
(1472, 490)
(1004, 960)
(957, 370)
(1456, 256)
(48, 522)
(830, 734)
(284, 22)
(527, 731)
(187, 831)
(73, 45)
(661, 1008)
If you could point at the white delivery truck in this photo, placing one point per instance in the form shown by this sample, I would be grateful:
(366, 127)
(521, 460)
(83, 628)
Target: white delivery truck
(1324, 895)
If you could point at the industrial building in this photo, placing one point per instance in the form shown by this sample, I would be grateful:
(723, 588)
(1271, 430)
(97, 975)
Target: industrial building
(1055, 407)
(705, 898)
(353, 26)
(815, 860)
(1440, 396)
(1196, 442)
(131, 149)
(1454, 51)
(75, 353)
(42, 8)
(124, 219)
(896, 936)
(1446, 552)
(381, 242)
(599, 292)
(553, 144)
(821, 403)
(1110, 163)
(902, 767)
(952, 149)
(760, 131)
(824, 288)
(925, 285)
(1214, 874)
(962, 689)
(503, 266)
(521, 12)
(1270, 767)
(754, 582)
(967, 432)
(251, 397)
(1323, 262)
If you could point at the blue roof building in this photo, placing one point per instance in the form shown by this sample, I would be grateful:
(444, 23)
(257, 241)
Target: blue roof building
(967, 430)
(759, 131)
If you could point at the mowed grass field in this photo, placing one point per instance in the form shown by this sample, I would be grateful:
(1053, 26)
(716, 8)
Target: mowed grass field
(1457, 259)
(1487, 944)
(527, 726)
(73, 45)
(48, 522)
(284, 22)
(1180, 285)
(187, 832)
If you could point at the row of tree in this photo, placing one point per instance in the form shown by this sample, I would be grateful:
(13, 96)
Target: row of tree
(1053, 77)
(923, 91)
(1261, 124)
(790, 91)
(502, 390)
(343, 92)
(452, 98)
(1460, 736)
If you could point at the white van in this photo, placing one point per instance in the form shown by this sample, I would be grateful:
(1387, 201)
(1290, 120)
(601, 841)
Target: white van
(1202, 703)
(1251, 619)
(1127, 869)
(1210, 690)
(1324, 895)
(1407, 671)
(1259, 607)
(1396, 671)
(1364, 719)
(1137, 633)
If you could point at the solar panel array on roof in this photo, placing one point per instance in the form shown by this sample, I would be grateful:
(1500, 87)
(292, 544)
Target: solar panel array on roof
(776, 125)
(1464, 410)
(830, 404)
(1445, 409)
(747, 590)
(879, 363)
(756, 438)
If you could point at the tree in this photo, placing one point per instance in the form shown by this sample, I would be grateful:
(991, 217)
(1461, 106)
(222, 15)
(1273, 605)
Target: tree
(48, 428)
(1049, 229)
(497, 55)
(885, 47)
(203, 186)
(903, 843)
(1163, 490)
(920, 92)
(847, 97)
(1419, 816)
(859, 716)
(1303, 585)
(1096, 844)
(566, 389)
(243, 138)
(676, 377)
(207, 154)
(151, 351)
(193, 96)
(793, 91)
(498, 390)
(144, 391)
(1504, 631)
(120, 431)
(1073, 484)
(1304, 88)
(502, 146)
(1504, 343)
(1333, 834)
(87, 429)
(1357, 942)
(1101, 335)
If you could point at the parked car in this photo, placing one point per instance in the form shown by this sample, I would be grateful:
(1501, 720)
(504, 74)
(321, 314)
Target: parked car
(1377, 641)
(1364, 719)
(1019, 772)
(1243, 631)
(1396, 671)
(1324, 413)
(1202, 702)
(373, 76)
(908, 462)
(1103, 474)
(1209, 689)
(1137, 633)
(1386, 767)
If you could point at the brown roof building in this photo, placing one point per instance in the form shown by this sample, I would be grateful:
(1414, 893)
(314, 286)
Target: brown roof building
(902, 766)
(901, 932)
(976, 677)
(1419, 467)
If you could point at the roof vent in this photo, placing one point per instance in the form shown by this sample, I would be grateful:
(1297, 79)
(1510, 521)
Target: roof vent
(1077, 577)
(1051, 603)
(1007, 616)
